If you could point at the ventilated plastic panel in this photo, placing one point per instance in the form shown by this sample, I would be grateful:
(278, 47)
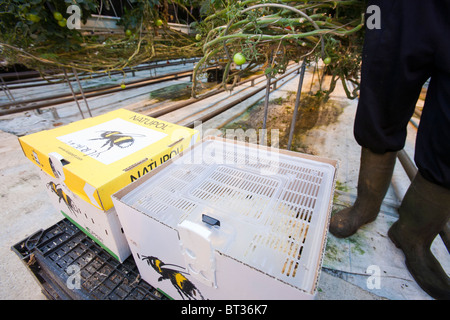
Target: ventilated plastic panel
(273, 207)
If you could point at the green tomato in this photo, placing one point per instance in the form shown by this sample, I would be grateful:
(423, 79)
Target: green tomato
(33, 18)
(159, 23)
(62, 23)
(327, 60)
(239, 59)
(128, 32)
(58, 16)
(198, 37)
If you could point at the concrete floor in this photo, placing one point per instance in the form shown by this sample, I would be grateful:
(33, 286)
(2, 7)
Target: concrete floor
(25, 209)
(348, 263)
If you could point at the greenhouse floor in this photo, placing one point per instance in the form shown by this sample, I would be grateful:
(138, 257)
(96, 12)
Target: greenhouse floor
(366, 266)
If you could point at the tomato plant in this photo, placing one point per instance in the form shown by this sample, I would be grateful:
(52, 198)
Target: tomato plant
(35, 33)
(36, 23)
(272, 34)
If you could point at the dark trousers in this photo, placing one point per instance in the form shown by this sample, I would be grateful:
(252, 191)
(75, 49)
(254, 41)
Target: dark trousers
(412, 46)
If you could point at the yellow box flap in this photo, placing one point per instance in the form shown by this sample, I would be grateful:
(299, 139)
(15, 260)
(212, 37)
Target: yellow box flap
(98, 156)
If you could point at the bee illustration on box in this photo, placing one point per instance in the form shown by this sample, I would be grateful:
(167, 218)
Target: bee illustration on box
(63, 196)
(185, 288)
(117, 138)
(57, 173)
(36, 158)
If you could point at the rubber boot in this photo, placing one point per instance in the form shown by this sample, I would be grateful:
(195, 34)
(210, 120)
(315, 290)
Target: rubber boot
(424, 212)
(375, 175)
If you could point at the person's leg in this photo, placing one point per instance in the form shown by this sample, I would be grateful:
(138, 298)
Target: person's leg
(374, 179)
(395, 67)
(432, 155)
(383, 112)
(397, 61)
(425, 209)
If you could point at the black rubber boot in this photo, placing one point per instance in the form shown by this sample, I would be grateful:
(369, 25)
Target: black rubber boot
(375, 175)
(424, 212)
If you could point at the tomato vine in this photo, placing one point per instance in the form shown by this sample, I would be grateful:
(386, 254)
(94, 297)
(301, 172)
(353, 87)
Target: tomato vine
(268, 34)
(31, 35)
(272, 34)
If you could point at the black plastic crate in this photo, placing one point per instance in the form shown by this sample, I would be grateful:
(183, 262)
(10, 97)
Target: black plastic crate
(55, 254)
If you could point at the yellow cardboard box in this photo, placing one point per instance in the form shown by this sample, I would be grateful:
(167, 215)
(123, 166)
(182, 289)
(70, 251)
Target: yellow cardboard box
(85, 162)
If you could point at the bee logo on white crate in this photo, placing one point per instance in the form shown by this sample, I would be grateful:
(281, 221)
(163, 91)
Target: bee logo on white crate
(62, 196)
(185, 288)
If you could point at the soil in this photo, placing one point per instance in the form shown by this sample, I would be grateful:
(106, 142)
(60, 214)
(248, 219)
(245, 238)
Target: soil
(175, 92)
(313, 112)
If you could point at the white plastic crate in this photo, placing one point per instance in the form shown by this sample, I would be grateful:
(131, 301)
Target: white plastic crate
(264, 208)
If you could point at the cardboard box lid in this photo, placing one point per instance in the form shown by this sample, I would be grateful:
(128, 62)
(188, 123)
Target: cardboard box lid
(97, 156)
